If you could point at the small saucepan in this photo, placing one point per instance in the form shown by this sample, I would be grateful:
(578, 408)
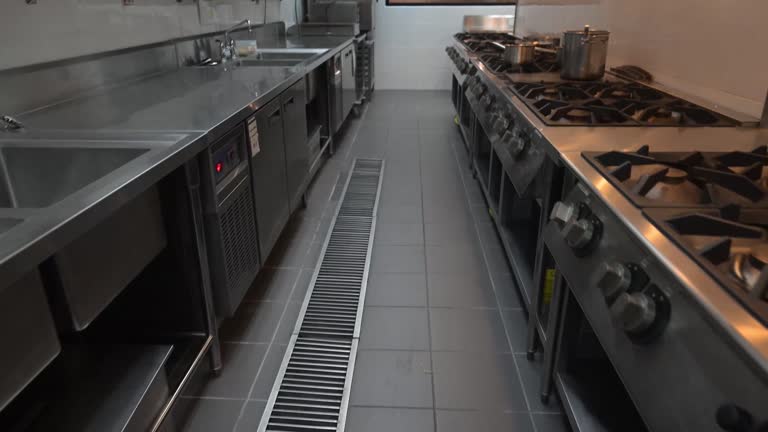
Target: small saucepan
(518, 54)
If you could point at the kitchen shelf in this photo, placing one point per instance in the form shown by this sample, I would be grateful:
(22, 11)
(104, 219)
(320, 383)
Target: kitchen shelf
(513, 252)
(127, 383)
(316, 163)
(596, 401)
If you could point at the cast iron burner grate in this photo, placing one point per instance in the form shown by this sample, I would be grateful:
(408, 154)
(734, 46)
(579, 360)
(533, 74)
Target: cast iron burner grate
(604, 103)
(495, 62)
(696, 179)
(731, 243)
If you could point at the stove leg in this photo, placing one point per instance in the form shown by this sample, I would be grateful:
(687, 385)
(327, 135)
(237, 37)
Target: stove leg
(554, 329)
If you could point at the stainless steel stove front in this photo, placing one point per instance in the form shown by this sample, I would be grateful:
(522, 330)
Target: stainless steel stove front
(681, 371)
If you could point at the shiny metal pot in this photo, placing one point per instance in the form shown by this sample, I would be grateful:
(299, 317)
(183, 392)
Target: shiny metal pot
(518, 54)
(584, 54)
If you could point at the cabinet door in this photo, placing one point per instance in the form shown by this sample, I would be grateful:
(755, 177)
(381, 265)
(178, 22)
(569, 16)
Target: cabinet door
(348, 79)
(296, 150)
(270, 186)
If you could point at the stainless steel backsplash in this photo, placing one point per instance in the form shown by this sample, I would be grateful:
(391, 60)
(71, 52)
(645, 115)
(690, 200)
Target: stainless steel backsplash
(30, 88)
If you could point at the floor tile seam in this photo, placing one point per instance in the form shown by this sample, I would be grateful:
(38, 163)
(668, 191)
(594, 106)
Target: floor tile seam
(495, 290)
(398, 407)
(440, 351)
(236, 342)
(426, 267)
(219, 398)
(359, 125)
(274, 337)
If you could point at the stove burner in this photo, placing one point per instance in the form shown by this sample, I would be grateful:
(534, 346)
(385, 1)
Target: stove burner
(495, 62)
(730, 242)
(620, 103)
(674, 179)
(590, 113)
(482, 42)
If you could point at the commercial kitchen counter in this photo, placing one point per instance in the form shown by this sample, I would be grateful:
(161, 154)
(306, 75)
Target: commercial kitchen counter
(159, 122)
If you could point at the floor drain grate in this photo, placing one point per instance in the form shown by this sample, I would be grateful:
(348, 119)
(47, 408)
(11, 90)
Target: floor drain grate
(311, 391)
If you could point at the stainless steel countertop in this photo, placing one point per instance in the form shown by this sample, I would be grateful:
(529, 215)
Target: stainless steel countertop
(566, 144)
(189, 98)
(174, 115)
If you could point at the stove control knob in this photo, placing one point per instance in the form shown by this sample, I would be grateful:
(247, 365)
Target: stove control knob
(500, 122)
(562, 213)
(578, 233)
(519, 143)
(472, 70)
(487, 101)
(635, 312)
(733, 418)
(506, 138)
(614, 279)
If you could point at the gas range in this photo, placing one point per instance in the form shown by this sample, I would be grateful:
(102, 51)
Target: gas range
(713, 205)
(612, 103)
(543, 62)
(484, 42)
(731, 243)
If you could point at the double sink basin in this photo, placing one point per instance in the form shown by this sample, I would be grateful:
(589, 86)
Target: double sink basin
(39, 176)
(279, 57)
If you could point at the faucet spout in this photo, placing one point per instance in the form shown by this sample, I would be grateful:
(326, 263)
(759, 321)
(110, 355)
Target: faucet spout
(228, 45)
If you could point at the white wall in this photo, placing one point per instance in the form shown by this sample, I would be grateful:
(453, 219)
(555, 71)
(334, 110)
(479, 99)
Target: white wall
(411, 41)
(715, 49)
(57, 29)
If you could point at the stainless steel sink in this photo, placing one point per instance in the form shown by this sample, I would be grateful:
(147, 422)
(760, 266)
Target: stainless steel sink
(271, 62)
(35, 177)
(281, 57)
(8, 223)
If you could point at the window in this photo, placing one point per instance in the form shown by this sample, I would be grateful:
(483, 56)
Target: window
(449, 2)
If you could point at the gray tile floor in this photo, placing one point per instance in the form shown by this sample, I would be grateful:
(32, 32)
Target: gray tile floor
(443, 336)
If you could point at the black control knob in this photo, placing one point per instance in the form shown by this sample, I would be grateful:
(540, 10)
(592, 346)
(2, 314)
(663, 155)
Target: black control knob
(613, 279)
(500, 122)
(578, 233)
(506, 138)
(562, 213)
(519, 143)
(472, 70)
(733, 418)
(635, 312)
(487, 101)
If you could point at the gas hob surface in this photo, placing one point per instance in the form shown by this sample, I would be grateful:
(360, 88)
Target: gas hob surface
(696, 179)
(731, 243)
(713, 205)
(612, 103)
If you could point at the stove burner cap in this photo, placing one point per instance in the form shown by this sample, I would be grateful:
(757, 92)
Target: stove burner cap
(667, 114)
(675, 175)
(580, 115)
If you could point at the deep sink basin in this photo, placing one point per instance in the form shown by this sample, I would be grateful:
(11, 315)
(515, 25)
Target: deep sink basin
(8, 223)
(281, 56)
(35, 177)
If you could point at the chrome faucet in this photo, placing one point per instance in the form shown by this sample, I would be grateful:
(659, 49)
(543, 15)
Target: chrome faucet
(228, 51)
(10, 123)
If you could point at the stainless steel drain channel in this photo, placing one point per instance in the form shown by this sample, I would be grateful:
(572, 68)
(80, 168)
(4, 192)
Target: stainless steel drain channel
(311, 391)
